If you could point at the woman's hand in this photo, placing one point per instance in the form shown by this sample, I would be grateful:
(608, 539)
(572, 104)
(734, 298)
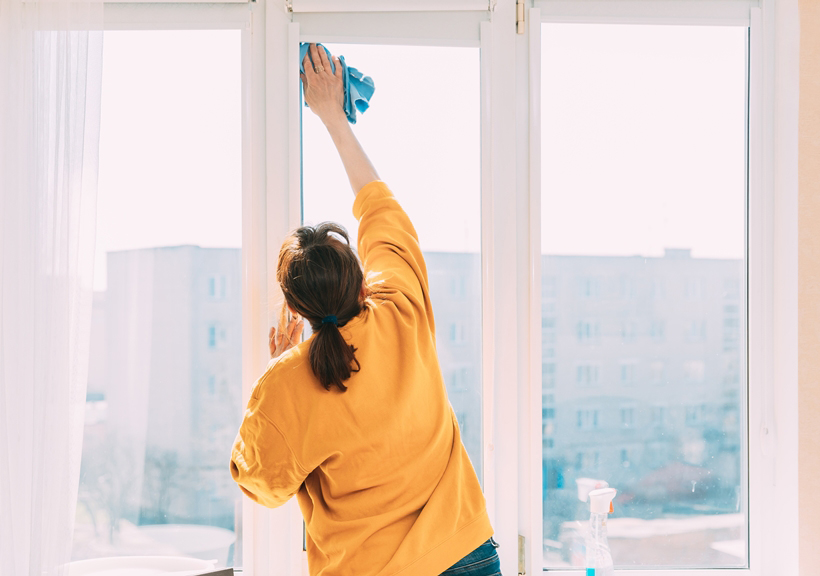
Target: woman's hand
(280, 342)
(324, 90)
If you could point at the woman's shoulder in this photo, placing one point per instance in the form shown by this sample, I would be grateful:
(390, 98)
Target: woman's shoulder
(284, 370)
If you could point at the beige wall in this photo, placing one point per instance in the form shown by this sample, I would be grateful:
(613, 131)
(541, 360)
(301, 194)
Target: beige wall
(809, 287)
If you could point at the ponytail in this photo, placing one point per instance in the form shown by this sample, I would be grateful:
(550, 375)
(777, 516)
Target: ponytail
(332, 359)
(319, 273)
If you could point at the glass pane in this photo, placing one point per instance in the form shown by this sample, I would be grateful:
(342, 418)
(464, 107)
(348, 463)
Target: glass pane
(426, 146)
(164, 388)
(644, 291)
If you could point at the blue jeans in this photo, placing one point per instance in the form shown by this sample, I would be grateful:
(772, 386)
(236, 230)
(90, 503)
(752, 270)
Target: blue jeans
(483, 561)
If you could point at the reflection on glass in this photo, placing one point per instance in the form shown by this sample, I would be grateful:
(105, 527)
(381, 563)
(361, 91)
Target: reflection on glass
(164, 388)
(643, 291)
(427, 148)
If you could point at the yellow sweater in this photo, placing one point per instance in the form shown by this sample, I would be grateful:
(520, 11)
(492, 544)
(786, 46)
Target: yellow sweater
(382, 477)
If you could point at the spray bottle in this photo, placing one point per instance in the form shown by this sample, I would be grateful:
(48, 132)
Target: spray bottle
(598, 557)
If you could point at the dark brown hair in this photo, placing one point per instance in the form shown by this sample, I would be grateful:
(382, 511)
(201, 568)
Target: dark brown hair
(321, 278)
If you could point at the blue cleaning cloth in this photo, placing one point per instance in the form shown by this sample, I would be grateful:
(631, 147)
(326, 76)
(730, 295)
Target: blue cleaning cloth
(358, 87)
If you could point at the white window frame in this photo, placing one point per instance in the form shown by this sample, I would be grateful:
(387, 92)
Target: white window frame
(772, 263)
(510, 181)
(249, 19)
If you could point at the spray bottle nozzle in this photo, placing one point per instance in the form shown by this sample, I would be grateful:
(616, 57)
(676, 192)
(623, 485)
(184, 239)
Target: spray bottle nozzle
(600, 501)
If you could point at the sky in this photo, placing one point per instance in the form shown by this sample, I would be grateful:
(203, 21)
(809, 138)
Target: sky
(643, 141)
(170, 141)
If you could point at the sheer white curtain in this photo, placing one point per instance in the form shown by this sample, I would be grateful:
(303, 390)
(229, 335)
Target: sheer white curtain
(50, 74)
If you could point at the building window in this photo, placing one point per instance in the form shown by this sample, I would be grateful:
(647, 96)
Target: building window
(217, 287)
(731, 327)
(695, 414)
(587, 419)
(588, 287)
(548, 374)
(629, 331)
(694, 289)
(658, 416)
(458, 287)
(586, 374)
(696, 331)
(588, 331)
(627, 417)
(587, 461)
(217, 336)
(628, 372)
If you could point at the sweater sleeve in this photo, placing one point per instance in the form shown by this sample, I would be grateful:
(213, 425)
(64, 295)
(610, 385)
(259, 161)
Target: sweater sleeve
(389, 245)
(262, 462)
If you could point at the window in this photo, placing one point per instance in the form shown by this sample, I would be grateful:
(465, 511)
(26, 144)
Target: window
(588, 331)
(628, 372)
(586, 375)
(588, 287)
(627, 417)
(731, 327)
(660, 112)
(154, 477)
(657, 330)
(548, 375)
(449, 184)
(628, 288)
(658, 416)
(217, 336)
(629, 331)
(694, 288)
(217, 286)
(696, 331)
(594, 107)
(587, 419)
(587, 461)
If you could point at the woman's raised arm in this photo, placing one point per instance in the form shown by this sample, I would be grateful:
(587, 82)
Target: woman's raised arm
(324, 93)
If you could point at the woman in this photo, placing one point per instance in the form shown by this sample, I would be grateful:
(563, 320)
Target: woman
(355, 420)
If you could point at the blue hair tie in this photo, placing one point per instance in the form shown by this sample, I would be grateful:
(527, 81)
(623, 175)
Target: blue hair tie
(330, 320)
